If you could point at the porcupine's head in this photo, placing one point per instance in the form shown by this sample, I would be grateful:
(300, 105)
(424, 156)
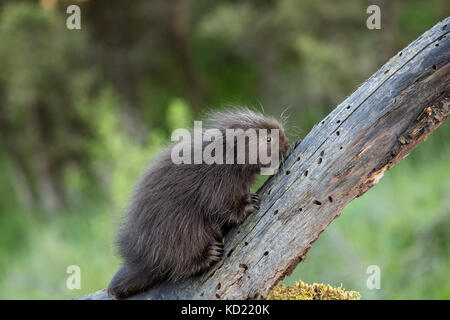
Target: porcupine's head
(262, 135)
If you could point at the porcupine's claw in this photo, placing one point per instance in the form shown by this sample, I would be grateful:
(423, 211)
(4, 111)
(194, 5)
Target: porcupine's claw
(215, 251)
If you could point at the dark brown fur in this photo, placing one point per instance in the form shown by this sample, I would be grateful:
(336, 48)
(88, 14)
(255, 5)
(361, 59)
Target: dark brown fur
(173, 228)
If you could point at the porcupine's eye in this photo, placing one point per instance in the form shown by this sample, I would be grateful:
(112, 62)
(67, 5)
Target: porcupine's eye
(269, 139)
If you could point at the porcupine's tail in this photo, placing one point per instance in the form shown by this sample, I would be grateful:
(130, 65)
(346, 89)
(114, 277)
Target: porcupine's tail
(129, 281)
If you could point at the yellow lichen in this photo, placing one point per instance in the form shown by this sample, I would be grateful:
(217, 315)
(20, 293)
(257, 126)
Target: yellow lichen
(316, 291)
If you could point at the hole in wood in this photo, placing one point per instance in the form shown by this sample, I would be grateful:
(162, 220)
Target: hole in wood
(340, 148)
(319, 161)
(245, 243)
(287, 172)
(298, 158)
(330, 198)
(275, 212)
(437, 44)
(230, 252)
(218, 286)
(339, 121)
(243, 266)
(434, 67)
(317, 202)
(305, 173)
(338, 133)
(217, 296)
(348, 107)
(323, 122)
(300, 209)
(266, 253)
(400, 54)
(322, 153)
(386, 71)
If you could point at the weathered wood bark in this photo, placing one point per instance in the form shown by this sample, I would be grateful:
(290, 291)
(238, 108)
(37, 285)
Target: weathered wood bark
(341, 158)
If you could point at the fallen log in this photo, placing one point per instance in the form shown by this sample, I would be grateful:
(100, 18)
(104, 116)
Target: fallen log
(340, 159)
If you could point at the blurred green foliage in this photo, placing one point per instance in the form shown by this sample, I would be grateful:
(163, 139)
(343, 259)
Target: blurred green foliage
(83, 112)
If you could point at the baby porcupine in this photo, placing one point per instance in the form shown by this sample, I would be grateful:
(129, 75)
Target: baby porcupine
(174, 225)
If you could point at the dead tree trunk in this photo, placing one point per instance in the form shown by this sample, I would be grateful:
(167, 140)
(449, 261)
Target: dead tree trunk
(341, 158)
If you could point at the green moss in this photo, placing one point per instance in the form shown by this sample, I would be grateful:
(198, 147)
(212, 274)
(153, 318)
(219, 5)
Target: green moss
(316, 291)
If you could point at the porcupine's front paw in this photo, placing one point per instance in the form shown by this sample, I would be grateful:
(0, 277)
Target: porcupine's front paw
(252, 204)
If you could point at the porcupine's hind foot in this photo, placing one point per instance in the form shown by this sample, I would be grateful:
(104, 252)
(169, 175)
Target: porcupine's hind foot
(215, 252)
